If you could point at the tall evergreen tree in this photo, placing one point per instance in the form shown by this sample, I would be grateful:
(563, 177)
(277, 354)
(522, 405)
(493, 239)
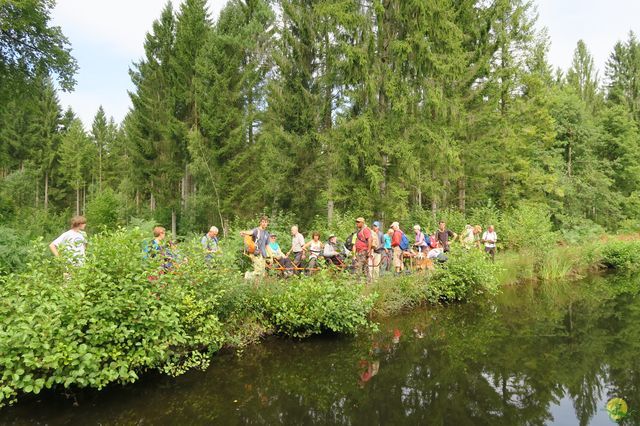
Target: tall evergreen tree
(45, 126)
(231, 79)
(76, 152)
(101, 138)
(623, 74)
(151, 126)
(582, 75)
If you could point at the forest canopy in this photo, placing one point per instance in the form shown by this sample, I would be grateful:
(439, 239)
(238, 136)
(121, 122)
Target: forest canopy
(390, 109)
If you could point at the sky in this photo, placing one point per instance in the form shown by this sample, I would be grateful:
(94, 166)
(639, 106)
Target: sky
(107, 37)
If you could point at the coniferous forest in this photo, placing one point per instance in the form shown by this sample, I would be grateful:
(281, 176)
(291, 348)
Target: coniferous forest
(380, 108)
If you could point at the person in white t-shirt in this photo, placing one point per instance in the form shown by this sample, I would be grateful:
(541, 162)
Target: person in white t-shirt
(73, 242)
(489, 239)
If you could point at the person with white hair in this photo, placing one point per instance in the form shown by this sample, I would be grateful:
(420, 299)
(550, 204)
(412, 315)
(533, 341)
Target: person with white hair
(421, 244)
(489, 239)
(297, 246)
(210, 243)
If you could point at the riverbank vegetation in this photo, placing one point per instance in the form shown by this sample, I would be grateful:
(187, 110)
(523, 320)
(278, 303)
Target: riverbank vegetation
(121, 315)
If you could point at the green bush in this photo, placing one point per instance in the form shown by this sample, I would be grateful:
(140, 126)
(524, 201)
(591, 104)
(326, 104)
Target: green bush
(621, 255)
(36, 223)
(574, 230)
(7, 208)
(103, 210)
(467, 273)
(306, 306)
(485, 216)
(396, 294)
(454, 219)
(106, 322)
(528, 226)
(343, 224)
(15, 249)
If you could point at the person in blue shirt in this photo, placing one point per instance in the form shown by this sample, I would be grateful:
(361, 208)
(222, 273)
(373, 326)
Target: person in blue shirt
(158, 247)
(275, 252)
(388, 251)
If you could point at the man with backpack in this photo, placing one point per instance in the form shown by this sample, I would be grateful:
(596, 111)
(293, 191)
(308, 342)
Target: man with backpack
(256, 241)
(363, 247)
(377, 244)
(399, 244)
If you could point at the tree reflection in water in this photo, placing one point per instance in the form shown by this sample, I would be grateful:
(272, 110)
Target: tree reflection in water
(508, 361)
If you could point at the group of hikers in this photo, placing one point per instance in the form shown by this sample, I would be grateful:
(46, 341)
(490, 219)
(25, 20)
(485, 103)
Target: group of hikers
(371, 250)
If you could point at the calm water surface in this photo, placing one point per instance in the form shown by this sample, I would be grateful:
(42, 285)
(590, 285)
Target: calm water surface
(535, 355)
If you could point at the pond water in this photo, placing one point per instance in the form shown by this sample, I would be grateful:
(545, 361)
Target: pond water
(546, 354)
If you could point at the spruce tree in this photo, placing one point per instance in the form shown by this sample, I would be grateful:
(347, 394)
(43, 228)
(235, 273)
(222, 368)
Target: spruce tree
(582, 76)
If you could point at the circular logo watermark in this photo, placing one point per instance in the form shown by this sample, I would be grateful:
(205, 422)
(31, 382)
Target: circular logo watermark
(617, 409)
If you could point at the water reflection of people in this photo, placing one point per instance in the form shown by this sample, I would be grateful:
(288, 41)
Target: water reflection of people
(396, 336)
(372, 369)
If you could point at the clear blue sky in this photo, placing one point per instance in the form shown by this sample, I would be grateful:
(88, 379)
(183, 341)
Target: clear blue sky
(107, 36)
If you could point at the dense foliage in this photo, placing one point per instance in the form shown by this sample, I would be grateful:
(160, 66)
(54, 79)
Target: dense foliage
(622, 255)
(121, 314)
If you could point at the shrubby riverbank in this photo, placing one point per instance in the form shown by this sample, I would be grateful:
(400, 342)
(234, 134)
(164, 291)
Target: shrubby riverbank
(117, 316)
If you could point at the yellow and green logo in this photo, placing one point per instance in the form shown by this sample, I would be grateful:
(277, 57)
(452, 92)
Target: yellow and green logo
(617, 409)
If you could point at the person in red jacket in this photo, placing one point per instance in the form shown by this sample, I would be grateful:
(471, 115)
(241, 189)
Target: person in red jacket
(396, 238)
(363, 247)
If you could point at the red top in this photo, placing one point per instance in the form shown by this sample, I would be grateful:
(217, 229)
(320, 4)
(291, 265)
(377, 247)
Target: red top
(396, 238)
(362, 239)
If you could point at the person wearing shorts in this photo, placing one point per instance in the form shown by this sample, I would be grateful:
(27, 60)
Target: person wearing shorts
(396, 239)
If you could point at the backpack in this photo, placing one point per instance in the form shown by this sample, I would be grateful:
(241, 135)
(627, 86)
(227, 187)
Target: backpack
(375, 240)
(249, 244)
(404, 242)
(348, 243)
(378, 242)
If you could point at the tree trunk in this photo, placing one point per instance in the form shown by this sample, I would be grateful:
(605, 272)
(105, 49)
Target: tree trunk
(84, 198)
(77, 198)
(183, 188)
(137, 201)
(250, 116)
(419, 190)
(434, 208)
(46, 190)
(328, 90)
(152, 203)
(462, 194)
(100, 169)
(329, 212)
(173, 224)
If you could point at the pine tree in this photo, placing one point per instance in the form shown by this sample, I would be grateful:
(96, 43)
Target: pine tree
(45, 126)
(582, 75)
(231, 79)
(101, 139)
(623, 74)
(158, 157)
(76, 152)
